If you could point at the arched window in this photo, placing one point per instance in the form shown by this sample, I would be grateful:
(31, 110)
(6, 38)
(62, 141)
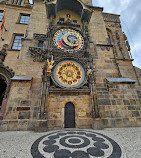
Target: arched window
(109, 39)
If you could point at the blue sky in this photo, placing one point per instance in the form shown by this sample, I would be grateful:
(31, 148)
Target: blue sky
(130, 11)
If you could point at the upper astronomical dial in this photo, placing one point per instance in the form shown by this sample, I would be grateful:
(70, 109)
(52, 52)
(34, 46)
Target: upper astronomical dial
(68, 40)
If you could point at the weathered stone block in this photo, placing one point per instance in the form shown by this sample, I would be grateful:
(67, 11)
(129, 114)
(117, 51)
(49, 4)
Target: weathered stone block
(105, 122)
(54, 123)
(112, 123)
(97, 124)
(11, 115)
(132, 101)
(24, 115)
(12, 126)
(135, 113)
(31, 125)
(119, 122)
(126, 122)
(85, 122)
(126, 102)
(138, 121)
(22, 125)
(104, 102)
(113, 102)
(131, 108)
(35, 112)
(25, 103)
(41, 125)
(3, 125)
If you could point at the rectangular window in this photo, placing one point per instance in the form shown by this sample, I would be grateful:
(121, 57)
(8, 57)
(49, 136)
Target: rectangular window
(17, 2)
(74, 22)
(1, 15)
(17, 43)
(24, 19)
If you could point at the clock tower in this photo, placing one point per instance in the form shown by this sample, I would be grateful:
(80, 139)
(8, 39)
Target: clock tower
(72, 68)
(71, 79)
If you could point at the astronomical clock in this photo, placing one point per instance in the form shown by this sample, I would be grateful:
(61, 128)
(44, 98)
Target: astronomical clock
(68, 40)
(68, 73)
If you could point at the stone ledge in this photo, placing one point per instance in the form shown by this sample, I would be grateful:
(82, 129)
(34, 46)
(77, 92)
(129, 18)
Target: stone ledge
(69, 90)
(22, 78)
(120, 80)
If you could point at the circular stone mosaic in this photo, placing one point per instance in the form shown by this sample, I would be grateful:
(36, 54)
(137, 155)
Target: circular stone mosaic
(69, 73)
(75, 144)
(68, 40)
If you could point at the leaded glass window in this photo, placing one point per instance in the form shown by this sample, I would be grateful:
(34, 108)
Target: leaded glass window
(17, 43)
(1, 15)
(24, 19)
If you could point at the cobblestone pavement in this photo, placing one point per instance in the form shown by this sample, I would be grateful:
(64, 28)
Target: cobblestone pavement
(72, 143)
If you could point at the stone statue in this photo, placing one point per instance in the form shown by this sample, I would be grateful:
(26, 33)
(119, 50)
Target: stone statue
(68, 21)
(44, 68)
(50, 66)
(90, 71)
(128, 46)
(125, 37)
(117, 35)
(126, 42)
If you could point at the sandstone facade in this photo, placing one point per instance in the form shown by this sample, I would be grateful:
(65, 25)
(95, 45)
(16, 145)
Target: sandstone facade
(110, 98)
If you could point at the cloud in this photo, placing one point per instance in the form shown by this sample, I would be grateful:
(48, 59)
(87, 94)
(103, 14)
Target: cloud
(130, 20)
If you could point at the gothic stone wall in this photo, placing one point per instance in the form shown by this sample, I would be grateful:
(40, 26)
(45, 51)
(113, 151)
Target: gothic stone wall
(12, 18)
(56, 107)
(119, 104)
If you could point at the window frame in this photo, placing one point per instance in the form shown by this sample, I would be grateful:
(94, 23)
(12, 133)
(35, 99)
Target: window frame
(63, 20)
(19, 20)
(13, 41)
(74, 22)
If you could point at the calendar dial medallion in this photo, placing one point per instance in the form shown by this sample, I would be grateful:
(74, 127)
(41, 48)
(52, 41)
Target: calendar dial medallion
(68, 40)
(69, 74)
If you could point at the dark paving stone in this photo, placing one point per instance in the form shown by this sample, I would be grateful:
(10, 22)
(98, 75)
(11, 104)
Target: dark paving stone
(80, 154)
(95, 152)
(74, 140)
(51, 148)
(62, 154)
(101, 145)
(98, 139)
(81, 133)
(49, 142)
(61, 134)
